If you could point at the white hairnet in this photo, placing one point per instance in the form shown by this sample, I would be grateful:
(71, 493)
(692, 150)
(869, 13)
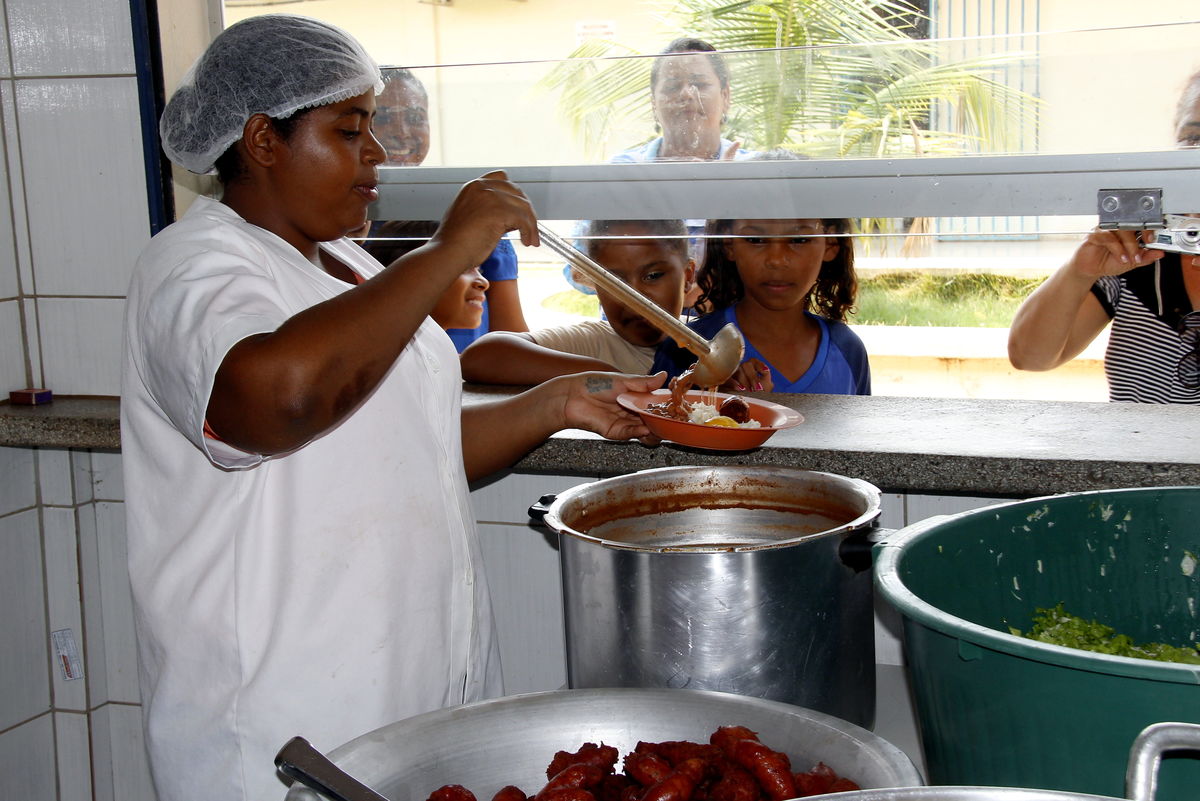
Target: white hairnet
(276, 65)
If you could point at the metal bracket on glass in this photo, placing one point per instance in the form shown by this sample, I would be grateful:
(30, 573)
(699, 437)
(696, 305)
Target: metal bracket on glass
(1130, 209)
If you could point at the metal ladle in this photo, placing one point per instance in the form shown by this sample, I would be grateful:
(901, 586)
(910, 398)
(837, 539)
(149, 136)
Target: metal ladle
(718, 357)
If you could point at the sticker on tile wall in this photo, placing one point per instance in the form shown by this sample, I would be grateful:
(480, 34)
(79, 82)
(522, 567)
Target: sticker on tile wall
(66, 654)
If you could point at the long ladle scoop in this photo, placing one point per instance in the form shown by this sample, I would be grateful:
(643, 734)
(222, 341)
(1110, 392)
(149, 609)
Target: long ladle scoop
(718, 357)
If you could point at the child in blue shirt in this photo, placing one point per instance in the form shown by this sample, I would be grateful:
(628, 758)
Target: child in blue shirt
(788, 286)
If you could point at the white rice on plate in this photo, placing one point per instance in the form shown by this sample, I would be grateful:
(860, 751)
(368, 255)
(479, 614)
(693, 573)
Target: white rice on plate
(703, 412)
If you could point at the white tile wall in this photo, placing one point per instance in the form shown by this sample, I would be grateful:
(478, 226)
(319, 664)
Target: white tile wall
(107, 478)
(81, 345)
(5, 69)
(17, 488)
(25, 688)
(73, 217)
(27, 761)
(70, 37)
(507, 499)
(921, 507)
(12, 348)
(84, 241)
(16, 183)
(889, 649)
(119, 755)
(523, 573)
(63, 603)
(107, 605)
(82, 481)
(34, 343)
(8, 256)
(74, 756)
(895, 715)
(54, 477)
(119, 636)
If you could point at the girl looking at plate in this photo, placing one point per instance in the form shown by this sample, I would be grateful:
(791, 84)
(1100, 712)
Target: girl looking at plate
(788, 285)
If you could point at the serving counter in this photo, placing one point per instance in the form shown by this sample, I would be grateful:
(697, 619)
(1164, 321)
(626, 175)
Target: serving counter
(917, 450)
(1002, 448)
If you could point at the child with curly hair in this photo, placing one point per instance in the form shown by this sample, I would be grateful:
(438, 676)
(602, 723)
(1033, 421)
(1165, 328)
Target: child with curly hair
(788, 285)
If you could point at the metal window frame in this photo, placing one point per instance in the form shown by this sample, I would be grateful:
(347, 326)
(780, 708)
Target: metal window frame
(971, 186)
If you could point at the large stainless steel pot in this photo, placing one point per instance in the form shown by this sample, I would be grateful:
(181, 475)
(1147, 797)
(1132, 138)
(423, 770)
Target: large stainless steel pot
(734, 579)
(487, 745)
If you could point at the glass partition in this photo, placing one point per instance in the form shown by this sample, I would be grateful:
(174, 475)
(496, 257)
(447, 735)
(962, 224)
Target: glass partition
(967, 143)
(844, 80)
(1090, 91)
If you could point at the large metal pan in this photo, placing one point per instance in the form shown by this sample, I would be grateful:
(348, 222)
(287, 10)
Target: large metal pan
(490, 744)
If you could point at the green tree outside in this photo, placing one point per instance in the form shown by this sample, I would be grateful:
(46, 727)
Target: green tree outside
(825, 78)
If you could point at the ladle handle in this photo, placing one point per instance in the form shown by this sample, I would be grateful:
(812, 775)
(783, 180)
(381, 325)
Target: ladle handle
(299, 760)
(661, 318)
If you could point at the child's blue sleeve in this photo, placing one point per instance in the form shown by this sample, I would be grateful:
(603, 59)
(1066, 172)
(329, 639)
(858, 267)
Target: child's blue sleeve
(855, 354)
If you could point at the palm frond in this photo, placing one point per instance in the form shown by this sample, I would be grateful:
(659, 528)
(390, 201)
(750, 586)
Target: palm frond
(828, 77)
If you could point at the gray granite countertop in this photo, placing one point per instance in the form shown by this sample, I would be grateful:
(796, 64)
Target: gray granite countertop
(928, 445)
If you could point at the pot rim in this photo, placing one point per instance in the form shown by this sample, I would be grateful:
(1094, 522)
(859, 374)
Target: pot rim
(965, 792)
(869, 493)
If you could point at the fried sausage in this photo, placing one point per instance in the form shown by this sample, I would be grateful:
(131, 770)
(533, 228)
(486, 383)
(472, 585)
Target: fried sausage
(677, 751)
(602, 756)
(772, 769)
(816, 781)
(510, 793)
(613, 786)
(679, 785)
(575, 777)
(567, 794)
(646, 768)
(735, 784)
(451, 792)
(727, 736)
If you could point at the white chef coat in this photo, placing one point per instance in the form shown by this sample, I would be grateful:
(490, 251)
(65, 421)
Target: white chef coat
(324, 592)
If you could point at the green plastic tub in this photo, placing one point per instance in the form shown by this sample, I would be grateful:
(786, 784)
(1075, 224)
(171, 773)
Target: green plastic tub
(997, 709)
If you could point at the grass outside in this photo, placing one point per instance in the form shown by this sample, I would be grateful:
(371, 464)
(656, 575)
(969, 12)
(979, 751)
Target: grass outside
(900, 298)
(967, 300)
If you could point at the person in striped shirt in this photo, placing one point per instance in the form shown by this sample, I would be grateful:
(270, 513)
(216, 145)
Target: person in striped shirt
(1151, 298)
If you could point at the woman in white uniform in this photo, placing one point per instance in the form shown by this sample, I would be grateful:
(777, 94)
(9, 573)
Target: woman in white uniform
(301, 550)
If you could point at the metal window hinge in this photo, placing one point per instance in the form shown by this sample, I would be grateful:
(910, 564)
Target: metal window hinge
(1130, 209)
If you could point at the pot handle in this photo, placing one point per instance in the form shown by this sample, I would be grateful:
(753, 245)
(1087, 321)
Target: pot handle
(1141, 777)
(537, 511)
(300, 761)
(856, 549)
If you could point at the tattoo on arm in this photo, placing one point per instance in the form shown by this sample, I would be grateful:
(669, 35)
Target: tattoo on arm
(596, 384)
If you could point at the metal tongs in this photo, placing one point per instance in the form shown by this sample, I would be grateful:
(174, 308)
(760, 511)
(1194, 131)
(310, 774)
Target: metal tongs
(718, 358)
(300, 761)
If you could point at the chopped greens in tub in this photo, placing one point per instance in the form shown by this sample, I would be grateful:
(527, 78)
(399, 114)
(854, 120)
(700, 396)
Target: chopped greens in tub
(1058, 627)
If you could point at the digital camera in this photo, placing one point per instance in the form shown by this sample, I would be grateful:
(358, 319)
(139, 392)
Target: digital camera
(1182, 235)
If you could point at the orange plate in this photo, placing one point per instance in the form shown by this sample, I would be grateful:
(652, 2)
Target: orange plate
(772, 416)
